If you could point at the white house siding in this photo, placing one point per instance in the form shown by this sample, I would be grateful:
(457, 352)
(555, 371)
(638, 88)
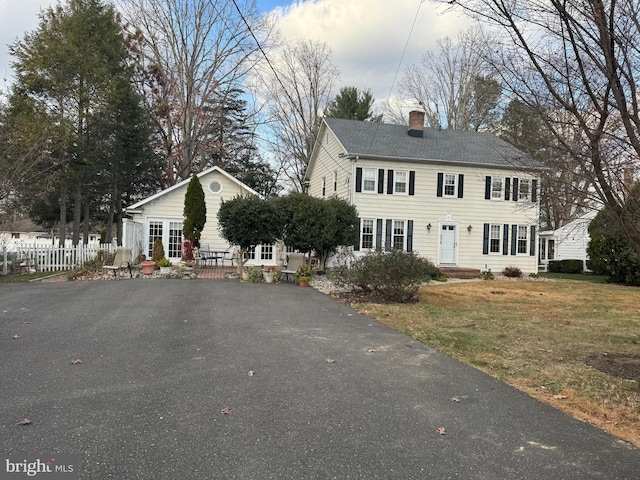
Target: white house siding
(328, 166)
(425, 207)
(571, 240)
(169, 207)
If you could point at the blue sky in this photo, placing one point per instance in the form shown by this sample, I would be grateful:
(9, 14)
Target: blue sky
(367, 38)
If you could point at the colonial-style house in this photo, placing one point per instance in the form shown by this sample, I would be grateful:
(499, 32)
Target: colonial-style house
(161, 216)
(461, 199)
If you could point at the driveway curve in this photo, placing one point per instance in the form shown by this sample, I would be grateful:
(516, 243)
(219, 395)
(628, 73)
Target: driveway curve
(216, 379)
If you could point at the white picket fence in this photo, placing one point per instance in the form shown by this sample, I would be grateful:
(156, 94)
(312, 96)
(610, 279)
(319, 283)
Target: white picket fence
(34, 257)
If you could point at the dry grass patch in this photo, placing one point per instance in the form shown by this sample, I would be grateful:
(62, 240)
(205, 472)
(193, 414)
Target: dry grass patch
(549, 339)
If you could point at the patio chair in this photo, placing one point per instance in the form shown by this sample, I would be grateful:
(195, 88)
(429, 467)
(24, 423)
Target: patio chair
(294, 260)
(121, 262)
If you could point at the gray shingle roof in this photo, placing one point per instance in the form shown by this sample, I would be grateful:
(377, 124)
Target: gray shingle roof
(367, 139)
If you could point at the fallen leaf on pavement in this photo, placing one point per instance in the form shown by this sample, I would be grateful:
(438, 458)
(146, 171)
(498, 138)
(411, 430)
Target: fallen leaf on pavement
(330, 360)
(198, 349)
(226, 411)
(441, 430)
(455, 400)
(16, 337)
(77, 361)
(24, 421)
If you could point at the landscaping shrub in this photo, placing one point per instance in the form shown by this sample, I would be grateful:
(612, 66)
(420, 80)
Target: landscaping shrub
(555, 266)
(572, 266)
(393, 276)
(158, 250)
(254, 275)
(488, 275)
(512, 272)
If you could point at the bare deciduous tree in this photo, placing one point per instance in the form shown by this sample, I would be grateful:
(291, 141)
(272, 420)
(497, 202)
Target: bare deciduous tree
(297, 95)
(576, 62)
(192, 54)
(453, 85)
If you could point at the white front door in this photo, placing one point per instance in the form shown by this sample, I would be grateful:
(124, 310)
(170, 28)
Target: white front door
(448, 244)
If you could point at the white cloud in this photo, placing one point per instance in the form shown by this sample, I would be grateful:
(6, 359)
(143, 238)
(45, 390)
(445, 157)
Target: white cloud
(16, 18)
(367, 38)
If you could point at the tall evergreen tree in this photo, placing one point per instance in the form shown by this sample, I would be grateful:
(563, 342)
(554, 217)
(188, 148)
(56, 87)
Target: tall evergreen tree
(73, 69)
(353, 104)
(195, 211)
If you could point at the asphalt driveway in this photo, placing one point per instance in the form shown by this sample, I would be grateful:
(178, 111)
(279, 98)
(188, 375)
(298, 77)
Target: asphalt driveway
(334, 394)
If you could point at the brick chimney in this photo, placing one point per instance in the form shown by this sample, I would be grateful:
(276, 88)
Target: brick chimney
(416, 123)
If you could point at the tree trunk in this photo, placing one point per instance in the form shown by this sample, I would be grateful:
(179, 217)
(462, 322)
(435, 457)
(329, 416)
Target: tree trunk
(77, 214)
(62, 225)
(85, 224)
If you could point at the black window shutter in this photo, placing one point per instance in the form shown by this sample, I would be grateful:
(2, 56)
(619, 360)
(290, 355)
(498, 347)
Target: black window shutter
(379, 233)
(412, 182)
(409, 235)
(505, 239)
(389, 181)
(387, 245)
(515, 189)
(440, 184)
(485, 240)
(381, 180)
(514, 239)
(534, 191)
(356, 247)
(358, 179)
(507, 188)
(487, 188)
(460, 185)
(532, 241)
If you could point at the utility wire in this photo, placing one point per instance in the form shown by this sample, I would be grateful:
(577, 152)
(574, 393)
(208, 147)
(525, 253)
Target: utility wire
(404, 51)
(294, 104)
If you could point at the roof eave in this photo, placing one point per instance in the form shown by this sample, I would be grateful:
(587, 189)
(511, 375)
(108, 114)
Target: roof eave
(362, 156)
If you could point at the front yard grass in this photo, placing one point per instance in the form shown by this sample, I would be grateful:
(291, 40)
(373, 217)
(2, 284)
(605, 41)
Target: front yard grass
(541, 337)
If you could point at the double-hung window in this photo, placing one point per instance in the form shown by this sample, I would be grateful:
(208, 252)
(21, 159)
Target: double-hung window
(524, 189)
(495, 238)
(400, 182)
(398, 236)
(367, 233)
(496, 188)
(449, 187)
(369, 176)
(522, 239)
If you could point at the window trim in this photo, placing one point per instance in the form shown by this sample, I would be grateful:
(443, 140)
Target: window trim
(526, 181)
(373, 233)
(519, 239)
(493, 190)
(444, 185)
(375, 180)
(406, 182)
(499, 229)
